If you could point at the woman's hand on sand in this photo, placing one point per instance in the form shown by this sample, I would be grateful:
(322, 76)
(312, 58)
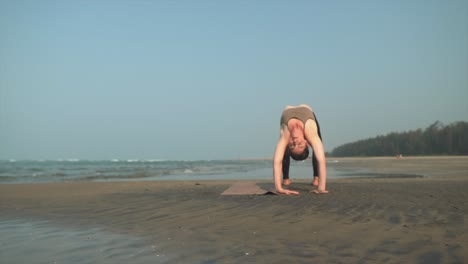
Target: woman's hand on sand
(285, 191)
(318, 191)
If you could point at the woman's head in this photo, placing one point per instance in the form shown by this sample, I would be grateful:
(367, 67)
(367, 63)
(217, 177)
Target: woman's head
(300, 154)
(298, 148)
(297, 144)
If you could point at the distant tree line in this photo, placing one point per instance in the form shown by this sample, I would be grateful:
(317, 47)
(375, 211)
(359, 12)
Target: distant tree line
(437, 139)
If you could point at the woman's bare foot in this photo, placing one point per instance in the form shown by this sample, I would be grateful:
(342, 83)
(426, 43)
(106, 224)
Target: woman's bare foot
(287, 182)
(315, 182)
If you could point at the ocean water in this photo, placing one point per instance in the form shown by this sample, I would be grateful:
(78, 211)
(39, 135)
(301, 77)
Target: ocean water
(42, 171)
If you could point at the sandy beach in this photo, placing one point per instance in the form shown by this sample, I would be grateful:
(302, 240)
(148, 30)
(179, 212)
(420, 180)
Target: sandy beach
(391, 219)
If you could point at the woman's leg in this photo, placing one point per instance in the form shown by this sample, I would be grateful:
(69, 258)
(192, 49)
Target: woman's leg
(286, 161)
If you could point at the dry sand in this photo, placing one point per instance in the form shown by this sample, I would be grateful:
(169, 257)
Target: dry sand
(366, 220)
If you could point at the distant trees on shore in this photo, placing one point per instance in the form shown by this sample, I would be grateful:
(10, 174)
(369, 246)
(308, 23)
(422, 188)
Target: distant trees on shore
(437, 139)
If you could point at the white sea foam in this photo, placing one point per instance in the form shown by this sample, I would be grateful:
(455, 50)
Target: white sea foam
(138, 160)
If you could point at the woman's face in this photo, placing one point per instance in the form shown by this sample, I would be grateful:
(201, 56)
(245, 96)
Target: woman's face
(297, 144)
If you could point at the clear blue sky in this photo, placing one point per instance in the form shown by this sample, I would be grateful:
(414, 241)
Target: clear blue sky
(208, 79)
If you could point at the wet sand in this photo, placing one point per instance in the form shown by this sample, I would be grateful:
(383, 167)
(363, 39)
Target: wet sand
(392, 219)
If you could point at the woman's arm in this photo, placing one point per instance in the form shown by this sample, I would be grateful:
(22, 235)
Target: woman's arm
(278, 164)
(311, 133)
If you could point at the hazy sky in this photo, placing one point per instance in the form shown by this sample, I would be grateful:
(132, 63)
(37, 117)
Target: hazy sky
(143, 79)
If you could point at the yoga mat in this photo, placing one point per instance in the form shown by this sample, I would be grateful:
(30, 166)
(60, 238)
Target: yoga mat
(247, 188)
